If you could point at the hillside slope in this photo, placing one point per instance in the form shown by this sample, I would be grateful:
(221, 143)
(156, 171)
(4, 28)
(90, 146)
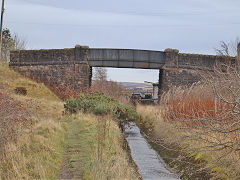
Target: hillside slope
(35, 136)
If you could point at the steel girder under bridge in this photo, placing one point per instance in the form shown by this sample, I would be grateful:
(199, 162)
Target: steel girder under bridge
(126, 58)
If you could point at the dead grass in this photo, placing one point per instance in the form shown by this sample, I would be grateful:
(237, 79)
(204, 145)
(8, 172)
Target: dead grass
(32, 124)
(192, 106)
(85, 159)
(199, 127)
(35, 152)
(36, 147)
(9, 79)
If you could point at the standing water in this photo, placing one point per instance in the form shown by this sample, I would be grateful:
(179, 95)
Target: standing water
(150, 165)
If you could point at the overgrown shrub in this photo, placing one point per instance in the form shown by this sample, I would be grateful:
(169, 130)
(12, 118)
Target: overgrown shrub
(100, 104)
(208, 116)
(102, 109)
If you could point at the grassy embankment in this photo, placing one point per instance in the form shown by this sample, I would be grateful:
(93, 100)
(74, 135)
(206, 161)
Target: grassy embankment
(37, 141)
(196, 134)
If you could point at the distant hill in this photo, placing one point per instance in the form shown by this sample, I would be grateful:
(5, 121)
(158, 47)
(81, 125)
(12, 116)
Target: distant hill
(136, 86)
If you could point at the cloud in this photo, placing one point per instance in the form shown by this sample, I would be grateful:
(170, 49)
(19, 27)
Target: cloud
(42, 14)
(192, 26)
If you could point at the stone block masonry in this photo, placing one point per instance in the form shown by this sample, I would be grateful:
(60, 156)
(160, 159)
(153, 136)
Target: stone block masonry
(175, 77)
(185, 69)
(60, 69)
(174, 59)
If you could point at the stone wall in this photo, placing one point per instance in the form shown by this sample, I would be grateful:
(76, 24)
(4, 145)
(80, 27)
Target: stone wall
(174, 59)
(174, 77)
(185, 69)
(77, 55)
(60, 69)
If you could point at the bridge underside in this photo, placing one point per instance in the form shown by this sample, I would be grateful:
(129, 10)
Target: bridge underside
(126, 58)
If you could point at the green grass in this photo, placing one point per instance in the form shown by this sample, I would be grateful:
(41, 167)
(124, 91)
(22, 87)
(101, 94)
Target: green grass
(91, 154)
(79, 145)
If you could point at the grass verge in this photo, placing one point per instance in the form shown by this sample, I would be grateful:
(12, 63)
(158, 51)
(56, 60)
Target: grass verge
(94, 150)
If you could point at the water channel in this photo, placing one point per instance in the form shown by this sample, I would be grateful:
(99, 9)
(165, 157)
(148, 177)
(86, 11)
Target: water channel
(150, 165)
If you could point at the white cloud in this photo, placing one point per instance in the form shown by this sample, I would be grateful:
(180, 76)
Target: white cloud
(194, 26)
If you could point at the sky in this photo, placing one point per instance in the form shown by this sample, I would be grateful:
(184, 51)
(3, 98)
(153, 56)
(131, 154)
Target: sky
(192, 26)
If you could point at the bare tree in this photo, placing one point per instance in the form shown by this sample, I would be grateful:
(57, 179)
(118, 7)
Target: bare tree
(108, 87)
(100, 74)
(20, 43)
(10, 43)
(228, 49)
(100, 79)
(208, 115)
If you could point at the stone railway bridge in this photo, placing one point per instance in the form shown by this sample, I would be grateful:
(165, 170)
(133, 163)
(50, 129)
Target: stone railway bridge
(71, 68)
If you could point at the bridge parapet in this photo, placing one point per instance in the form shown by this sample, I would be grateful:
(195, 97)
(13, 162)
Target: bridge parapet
(75, 55)
(182, 69)
(174, 59)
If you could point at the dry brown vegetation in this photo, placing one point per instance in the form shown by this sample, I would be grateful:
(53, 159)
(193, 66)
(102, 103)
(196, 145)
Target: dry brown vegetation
(100, 84)
(109, 88)
(96, 150)
(33, 135)
(30, 130)
(203, 122)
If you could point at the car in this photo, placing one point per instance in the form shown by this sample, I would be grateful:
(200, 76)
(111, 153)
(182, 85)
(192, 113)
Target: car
(136, 96)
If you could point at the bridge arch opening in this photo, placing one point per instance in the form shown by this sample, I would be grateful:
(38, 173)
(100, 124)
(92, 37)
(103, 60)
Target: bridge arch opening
(144, 81)
(132, 75)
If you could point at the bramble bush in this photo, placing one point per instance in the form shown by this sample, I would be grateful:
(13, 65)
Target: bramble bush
(100, 104)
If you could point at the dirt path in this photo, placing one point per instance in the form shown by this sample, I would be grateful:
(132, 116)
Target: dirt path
(76, 152)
